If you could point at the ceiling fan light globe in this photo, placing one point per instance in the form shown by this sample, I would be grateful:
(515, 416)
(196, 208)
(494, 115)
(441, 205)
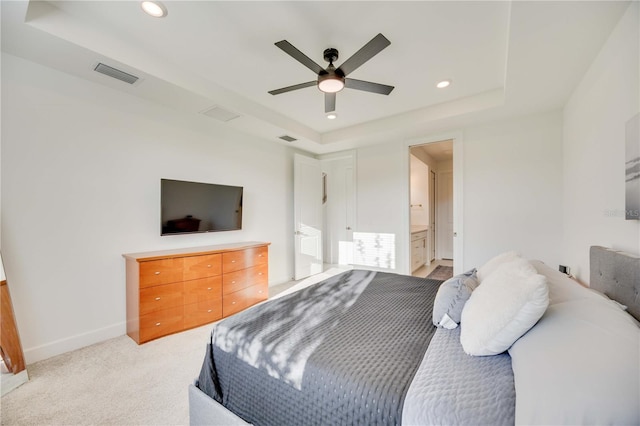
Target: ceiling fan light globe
(331, 85)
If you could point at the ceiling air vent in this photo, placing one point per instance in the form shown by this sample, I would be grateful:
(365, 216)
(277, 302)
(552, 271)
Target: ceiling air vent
(115, 73)
(220, 114)
(288, 138)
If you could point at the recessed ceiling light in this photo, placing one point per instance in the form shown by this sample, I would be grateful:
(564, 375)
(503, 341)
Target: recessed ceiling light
(443, 84)
(154, 8)
(332, 116)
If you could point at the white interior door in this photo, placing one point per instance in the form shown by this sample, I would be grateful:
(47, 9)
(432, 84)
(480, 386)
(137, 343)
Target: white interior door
(307, 202)
(444, 218)
(345, 252)
(339, 209)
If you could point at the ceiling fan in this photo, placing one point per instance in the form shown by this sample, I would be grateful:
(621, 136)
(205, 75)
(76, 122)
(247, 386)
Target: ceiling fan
(332, 79)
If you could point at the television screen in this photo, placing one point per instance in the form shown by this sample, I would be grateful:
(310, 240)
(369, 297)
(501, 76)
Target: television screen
(199, 207)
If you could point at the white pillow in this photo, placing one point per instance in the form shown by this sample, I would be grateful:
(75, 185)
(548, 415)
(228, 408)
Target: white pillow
(504, 307)
(493, 263)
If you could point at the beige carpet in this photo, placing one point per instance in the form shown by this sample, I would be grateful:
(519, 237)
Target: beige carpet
(115, 382)
(118, 382)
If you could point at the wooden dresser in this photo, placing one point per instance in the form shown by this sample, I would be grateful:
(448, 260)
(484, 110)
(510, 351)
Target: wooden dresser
(174, 290)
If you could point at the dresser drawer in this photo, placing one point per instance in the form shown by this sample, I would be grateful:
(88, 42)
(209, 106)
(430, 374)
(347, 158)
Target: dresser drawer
(160, 297)
(172, 290)
(163, 271)
(203, 289)
(161, 323)
(416, 262)
(208, 265)
(241, 259)
(238, 280)
(204, 312)
(242, 299)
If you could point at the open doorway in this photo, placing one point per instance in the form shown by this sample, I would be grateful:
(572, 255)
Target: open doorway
(431, 209)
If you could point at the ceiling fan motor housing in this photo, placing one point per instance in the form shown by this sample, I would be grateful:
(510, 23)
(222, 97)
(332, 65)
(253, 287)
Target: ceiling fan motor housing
(330, 55)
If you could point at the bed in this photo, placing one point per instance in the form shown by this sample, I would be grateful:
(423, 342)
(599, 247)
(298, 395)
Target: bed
(361, 347)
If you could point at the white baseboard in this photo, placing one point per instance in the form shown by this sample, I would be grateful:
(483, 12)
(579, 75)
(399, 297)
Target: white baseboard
(72, 343)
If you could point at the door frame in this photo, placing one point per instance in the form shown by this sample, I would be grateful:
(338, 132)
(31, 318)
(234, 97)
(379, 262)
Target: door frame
(458, 196)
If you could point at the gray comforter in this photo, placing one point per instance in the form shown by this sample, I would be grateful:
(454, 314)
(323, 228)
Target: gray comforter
(345, 351)
(453, 388)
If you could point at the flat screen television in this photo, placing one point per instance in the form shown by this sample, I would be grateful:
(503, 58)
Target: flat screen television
(188, 207)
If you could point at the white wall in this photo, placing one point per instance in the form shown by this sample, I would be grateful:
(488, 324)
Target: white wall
(594, 149)
(444, 166)
(419, 184)
(81, 170)
(513, 189)
(512, 192)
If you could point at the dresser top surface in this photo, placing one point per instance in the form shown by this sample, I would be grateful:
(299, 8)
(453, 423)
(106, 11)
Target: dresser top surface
(192, 251)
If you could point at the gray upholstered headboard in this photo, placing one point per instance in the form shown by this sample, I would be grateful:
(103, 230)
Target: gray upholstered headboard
(617, 274)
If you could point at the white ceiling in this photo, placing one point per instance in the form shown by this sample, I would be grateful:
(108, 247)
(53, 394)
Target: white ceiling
(504, 58)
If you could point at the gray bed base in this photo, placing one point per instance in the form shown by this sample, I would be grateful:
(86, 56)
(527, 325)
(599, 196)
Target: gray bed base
(614, 273)
(206, 411)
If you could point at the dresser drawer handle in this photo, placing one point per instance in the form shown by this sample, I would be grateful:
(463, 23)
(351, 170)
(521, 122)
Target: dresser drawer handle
(260, 292)
(233, 261)
(233, 303)
(259, 273)
(157, 272)
(157, 324)
(233, 282)
(208, 288)
(209, 311)
(157, 298)
(208, 266)
(259, 255)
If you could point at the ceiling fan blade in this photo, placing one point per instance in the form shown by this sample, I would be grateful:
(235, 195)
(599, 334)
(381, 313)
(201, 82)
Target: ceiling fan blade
(329, 102)
(299, 56)
(367, 86)
(294, 87)
(367, 52)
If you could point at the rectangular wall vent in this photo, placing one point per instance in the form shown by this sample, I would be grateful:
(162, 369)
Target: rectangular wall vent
(288, 138)
(220, 114)
(115, 73)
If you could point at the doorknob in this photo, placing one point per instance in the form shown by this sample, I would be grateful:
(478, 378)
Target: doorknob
(455, 234)
(348, 228)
